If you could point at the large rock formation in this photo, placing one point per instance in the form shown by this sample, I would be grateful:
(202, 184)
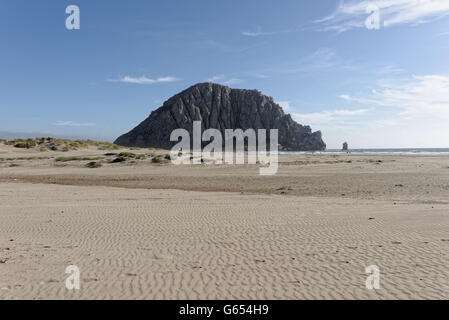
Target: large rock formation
(221, 108)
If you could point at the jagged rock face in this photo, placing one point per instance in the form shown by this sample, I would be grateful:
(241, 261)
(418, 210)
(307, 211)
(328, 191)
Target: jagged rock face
(221, 108)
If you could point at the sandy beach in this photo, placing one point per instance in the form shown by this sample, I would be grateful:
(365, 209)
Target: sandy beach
(145, 230)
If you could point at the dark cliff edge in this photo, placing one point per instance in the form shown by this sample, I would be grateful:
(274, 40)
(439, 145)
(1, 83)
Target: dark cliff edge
(221, 108)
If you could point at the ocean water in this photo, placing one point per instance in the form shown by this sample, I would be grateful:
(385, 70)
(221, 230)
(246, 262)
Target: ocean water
(405, 151)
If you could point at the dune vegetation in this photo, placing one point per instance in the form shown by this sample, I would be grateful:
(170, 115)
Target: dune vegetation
(56, 144)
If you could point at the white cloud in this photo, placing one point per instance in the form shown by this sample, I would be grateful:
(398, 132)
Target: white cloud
(389, 70)
(257, 33)
(328, 117)
(358, 99)
(232, 81)
(215, 78)
(313, 119)
(259, 76)
(412, 112)
(353, 14)
(285, 105)
(420, 97)
(349, 112)
(224, 80)
(73, 124)
(408, 112)
(319, 60)
(322, 58)
(143, 80)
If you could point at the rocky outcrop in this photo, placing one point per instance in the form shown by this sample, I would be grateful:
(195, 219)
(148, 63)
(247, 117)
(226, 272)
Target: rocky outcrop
(221, 108)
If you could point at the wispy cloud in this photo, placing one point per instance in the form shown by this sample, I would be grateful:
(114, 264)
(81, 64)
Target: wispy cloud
(328, 117)
(389, 70)
(322, 58)
(285, 105)
(259, 75)
(224, 80)
(233, 81)
(257, 33)
(143, 80)
(319, 60)
(353, 14)
(407, 112)
(74, 124)
(234, 47)
(421, 97)
(215, 78)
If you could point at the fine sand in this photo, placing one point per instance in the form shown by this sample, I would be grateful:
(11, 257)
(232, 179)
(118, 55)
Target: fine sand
(143, 230)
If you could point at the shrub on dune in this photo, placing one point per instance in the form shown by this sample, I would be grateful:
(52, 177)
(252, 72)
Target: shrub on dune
(94, 164)
(67, 159)
(160, 159)
(127, 155)
(119, 159)
(27, 144)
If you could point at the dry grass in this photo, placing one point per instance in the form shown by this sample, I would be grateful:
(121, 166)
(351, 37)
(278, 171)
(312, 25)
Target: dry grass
(67, 159)
(55, 144)
(161, 159)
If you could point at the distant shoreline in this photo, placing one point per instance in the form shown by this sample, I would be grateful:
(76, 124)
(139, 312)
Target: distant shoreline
(392, 151)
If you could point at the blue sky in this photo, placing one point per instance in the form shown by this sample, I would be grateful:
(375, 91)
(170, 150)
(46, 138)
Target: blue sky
(387, 87)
